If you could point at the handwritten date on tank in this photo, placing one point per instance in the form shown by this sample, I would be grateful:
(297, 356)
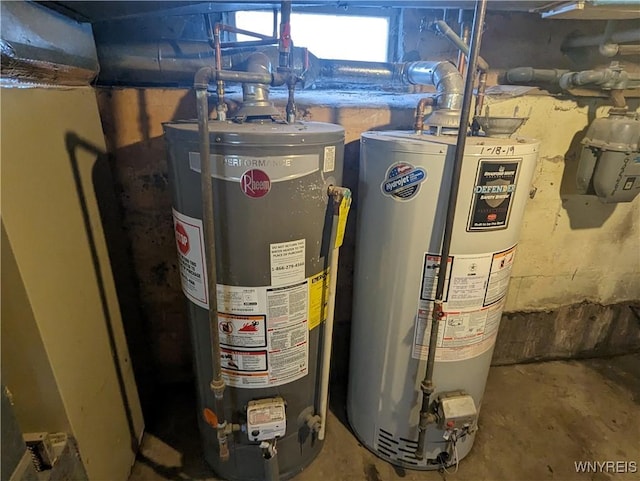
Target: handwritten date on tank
(499, 150)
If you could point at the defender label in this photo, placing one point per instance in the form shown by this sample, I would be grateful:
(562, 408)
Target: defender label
(492, 195)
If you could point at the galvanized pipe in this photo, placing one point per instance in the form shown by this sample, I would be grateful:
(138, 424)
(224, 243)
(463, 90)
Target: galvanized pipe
(271, 465)
(443, 75)
(349, 71)
(427, 386)
(627, 36)
(448, 32)
(530, 75)
(201, 83)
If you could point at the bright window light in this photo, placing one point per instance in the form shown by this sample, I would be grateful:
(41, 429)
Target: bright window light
(340, 37)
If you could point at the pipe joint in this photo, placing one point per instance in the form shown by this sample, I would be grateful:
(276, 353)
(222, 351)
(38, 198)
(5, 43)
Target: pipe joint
(338, 194)
(610, 78)
(609, 49)
(427, 387)
(217, 387)
(441, 74)
(441, 27)
(203, 77)
(223, 444)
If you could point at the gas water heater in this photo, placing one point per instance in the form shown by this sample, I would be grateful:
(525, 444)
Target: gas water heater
(271, 183)
(403, 192)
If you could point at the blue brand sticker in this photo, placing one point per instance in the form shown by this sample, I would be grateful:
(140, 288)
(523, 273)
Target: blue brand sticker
(403, 181)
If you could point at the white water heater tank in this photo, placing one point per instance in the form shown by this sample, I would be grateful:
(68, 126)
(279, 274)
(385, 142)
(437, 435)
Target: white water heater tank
(404, 186)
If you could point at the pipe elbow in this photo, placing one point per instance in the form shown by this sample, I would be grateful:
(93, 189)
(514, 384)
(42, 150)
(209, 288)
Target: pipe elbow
(450, 86)
(609, 49)
(444, 76)
(203, 77)
(519, 75)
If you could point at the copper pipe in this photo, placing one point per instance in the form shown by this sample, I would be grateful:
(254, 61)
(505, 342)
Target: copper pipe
(418, 125)
(482, 86)
(231, 29)
(465, 32)
(617, 98)
(285, 34)
(220, 105)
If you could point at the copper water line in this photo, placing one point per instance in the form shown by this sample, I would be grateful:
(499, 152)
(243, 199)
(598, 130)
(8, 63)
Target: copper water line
(418, 125)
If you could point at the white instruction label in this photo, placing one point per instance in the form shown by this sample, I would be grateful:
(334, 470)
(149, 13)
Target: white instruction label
(190, 245)
(476, 285)
(461, 335)
(469, 279)
(264, 334)
(241, 300)
(329, 158)
(288, 333)
(430, 272)
(287, 262)
(501, 265)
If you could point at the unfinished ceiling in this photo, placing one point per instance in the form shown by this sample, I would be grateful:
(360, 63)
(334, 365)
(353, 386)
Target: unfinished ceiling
(88, 11)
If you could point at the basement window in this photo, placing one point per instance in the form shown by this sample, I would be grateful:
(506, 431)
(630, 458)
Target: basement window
(338, 37)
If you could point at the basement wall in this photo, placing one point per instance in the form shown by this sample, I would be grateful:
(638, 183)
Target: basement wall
(573, 249)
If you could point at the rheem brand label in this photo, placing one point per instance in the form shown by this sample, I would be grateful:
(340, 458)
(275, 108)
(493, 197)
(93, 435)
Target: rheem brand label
(255, 183)
(403, 180)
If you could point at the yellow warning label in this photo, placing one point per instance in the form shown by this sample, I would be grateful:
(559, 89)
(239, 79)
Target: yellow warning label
(318, 298)
(345, 205)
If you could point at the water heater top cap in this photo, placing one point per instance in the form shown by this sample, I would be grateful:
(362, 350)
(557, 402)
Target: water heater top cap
(262, 133)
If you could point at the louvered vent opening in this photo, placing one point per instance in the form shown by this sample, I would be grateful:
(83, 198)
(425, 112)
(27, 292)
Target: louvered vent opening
(399, 449)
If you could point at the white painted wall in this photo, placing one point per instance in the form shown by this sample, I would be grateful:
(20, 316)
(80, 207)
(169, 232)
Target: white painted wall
(573, 248)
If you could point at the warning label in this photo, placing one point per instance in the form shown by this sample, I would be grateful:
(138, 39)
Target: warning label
(430, 272)
(318, 298)
(273, 342)
(476, 286)
(242, 331)
(287, 262)
(461, 335)
(501, 264)
(190, 245)
(249, 361)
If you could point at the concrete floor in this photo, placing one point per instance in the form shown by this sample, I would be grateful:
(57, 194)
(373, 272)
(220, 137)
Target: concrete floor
(536, 421)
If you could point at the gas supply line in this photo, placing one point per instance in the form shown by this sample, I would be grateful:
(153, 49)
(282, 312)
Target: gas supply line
(427, 416)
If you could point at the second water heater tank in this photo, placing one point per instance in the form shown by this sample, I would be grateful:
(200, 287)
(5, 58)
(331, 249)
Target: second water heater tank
(404, 186)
